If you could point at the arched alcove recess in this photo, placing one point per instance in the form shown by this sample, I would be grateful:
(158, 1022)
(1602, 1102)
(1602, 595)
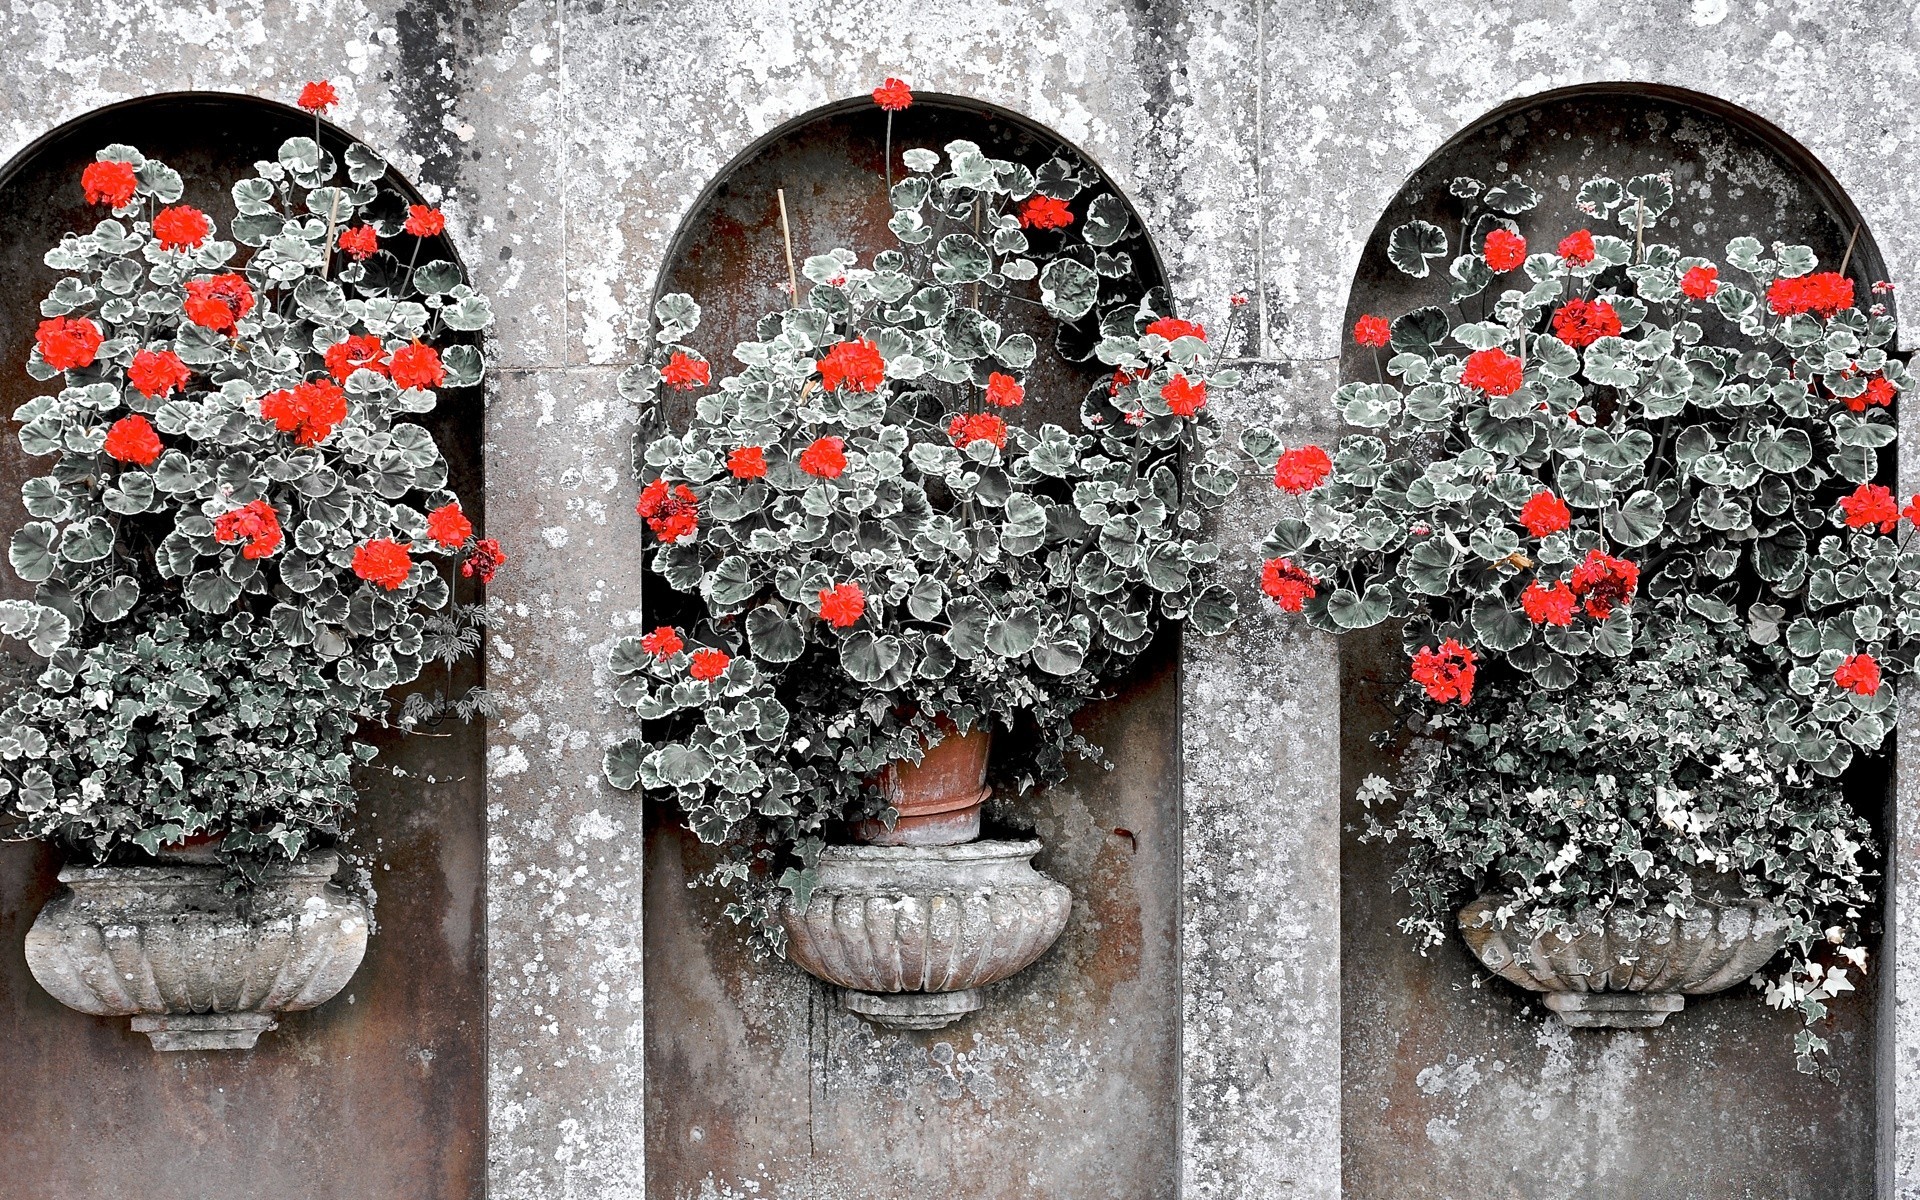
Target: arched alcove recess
(1065, 1086)
(1457, 1083)
(379, 1093)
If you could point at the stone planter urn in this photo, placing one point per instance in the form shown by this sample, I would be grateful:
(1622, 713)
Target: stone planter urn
(196, 968)
(1627, 969)
(914, 932)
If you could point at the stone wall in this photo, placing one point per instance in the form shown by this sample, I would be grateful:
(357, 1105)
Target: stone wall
(1260, 142)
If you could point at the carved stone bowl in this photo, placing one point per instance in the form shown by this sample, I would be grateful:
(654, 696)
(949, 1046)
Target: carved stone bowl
(914, 932)
(195, 967)
(1628, 969)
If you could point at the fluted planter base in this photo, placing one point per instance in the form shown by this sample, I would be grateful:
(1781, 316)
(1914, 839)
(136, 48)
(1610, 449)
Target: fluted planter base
(913, 1010)
(210, 1031)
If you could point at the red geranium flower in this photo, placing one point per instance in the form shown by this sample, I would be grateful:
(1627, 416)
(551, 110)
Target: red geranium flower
(1173, 329)
(1290, 586)
(181, 227)
(1700, 283)
(1912, 511)
(309, 411)
(318, 96)
(1004, 391)
(1504, 250)
(1576, 249)
(708, 664)
(255, 523)
(449, 526)
(893, 95)
(1185, 398)
(672, 513)
(1859, 674)
(1044, 212)
(747, 462)
(485, 558)
(109, 183)
(383, 561)
(217, 303)
(1880, 393)
(132, 439)
(360, 243)
(1603, 581)
(684, 372)
(362, 351)
(854, 366)
(424, 220)
(154, 373)
(663, 643)
(842, 605)
(1823, 294)
(1492, 371)
(1581, 323)
(977, 427)
(825, 458)
(1370, 330)
(1300, 471)
(67, 343)
(1545, 513)
(1871, 505)
(418, 366)
(1548, 605)
(1446, 673)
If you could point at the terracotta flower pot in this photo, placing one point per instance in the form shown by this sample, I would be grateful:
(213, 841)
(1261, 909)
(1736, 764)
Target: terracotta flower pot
(939, 798)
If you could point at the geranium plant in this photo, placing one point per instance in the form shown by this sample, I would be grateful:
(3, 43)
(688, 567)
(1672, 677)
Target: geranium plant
(243, 541)
(1620, 498)
(870, 548)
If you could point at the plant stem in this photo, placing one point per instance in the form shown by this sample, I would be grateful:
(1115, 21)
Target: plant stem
(887, 156)
(786, 234)
(326, 251)
(1848, 256)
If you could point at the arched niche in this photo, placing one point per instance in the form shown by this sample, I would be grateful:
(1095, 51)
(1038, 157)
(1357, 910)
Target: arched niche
(380, 1092)
(1457, 1083)
(1066, 1084)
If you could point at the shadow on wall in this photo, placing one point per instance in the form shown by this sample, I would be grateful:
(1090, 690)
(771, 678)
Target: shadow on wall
(379, 1094)
(1457, 1083)
(1066, 1085)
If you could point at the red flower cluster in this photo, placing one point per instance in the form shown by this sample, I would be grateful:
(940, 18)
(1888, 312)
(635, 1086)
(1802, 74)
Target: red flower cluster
(1545, 513)
(842, 605)
(1504, 250)
(969, 428)
(1871, 505)
(1492, 371)
(309, 411)
(1446, 673)
(1581, 323)
(854, 366)
(132, 439)
(318, 96)
(362, 351)
(1700, 283)
(485, 559)
(825, 458)
(1548, 605)
(1859, 674)
(1300, 471)
(747, 462)
(67, 343)
(448, 526)
(1184, 397)
(672, 513)
(383, 561)
(1880, 393)
(1290, 586)
(424, 220)
(154, 373)
(1173, 329)
(360, 243)
(893, 95)
(1044, 212)
(181, 227)
(1822, 293)
(217, 303)
(1576, 249)
(708, 664)
(663, 643)
(1370, 330)
(1004, 391)
(684, 372)
(109, 183)
(1602, 581)
(418, 366)
(255, 523)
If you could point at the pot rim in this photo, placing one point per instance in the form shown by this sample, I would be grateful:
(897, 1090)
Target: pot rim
(976, 851)
(313, 865)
